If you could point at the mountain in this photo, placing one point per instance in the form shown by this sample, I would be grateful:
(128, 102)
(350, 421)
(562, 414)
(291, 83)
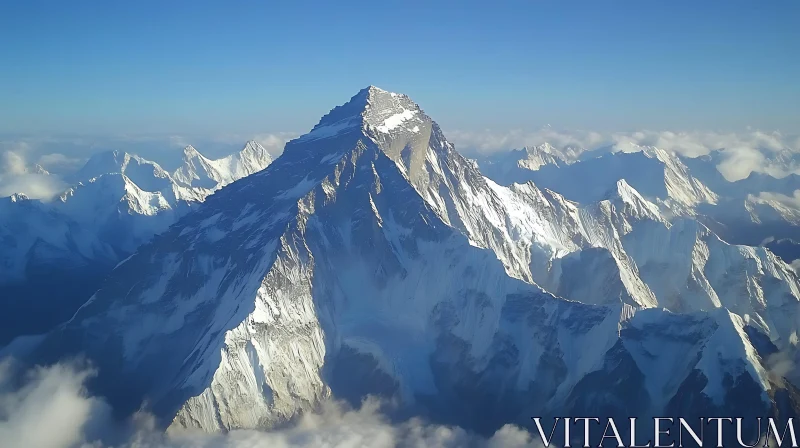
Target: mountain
(38, 169)
(214, 174)
(625, 248)
(655, 173)
(372, 258)
(758, 208)
(516, 164)
(147, 175)
(64, 247)
(746, 211)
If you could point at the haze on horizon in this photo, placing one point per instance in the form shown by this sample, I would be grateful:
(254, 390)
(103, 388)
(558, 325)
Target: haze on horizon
(150, 78)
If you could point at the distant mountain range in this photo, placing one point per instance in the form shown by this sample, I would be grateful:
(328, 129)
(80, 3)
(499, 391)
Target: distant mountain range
(63, 247)
(747, 211)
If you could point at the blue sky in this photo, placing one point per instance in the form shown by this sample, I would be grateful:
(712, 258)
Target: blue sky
(95, 67)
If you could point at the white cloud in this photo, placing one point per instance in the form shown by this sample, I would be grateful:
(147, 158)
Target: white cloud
(35, 186)
(16, 176)
(796, 266)
(792, 202)
(510, 436)
(488, 141)
(13, 163)
(739, 162)
(176, 141)
(51, 409)
(274, 143)
(60, 163)
(779, 364)
(62, 156)
(741, 153)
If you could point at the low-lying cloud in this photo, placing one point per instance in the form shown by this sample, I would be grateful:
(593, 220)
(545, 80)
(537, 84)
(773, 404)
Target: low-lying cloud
(22, 160)
(50, 408)
(785, 200)
(57, 163)
(740, 153)
(489, 141)
(35, 186)
(13, 163)
(18, 176)
(274, 143)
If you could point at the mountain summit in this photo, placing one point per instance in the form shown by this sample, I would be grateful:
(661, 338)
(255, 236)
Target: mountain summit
(372, 258)
(372, 107)
(199, 171)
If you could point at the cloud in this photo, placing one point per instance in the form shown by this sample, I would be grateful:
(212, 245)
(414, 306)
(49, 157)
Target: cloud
(511, 436)
(779, 365)
(740, 153)
(489, 141)
(792, 202)
(60, 163)
(274, 143)
(35, 186)
(176, 141)
(50, 408)
(16, 176)
(796, 266)
(13, 164)
(63, 155)
(740, 162)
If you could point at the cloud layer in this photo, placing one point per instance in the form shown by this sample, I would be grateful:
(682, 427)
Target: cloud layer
(740, 152)
(787, 201)
(17, 176)
(55, 398)
(62, 156)
(49, 410)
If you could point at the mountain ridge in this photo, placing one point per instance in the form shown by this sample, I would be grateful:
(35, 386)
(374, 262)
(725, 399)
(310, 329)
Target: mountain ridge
(120, 202)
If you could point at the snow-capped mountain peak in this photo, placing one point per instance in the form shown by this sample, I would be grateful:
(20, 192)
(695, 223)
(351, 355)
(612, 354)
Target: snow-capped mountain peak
(371, 109)
(516, 165)
(389, 112)
(253, 157)
(200, 171)
(145, 173)
(19, 197)
(38, 169)
(540, 155)
(189, 152)
(634, 204)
